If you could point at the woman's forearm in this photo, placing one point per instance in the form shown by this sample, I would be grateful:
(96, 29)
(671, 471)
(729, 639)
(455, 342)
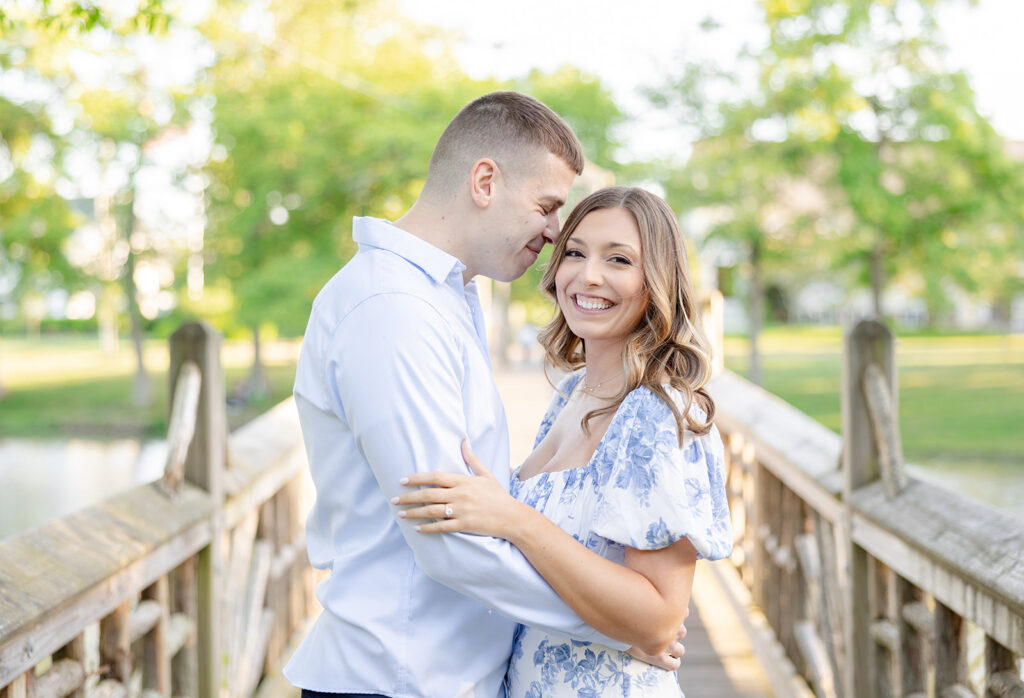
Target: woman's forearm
(612, 598)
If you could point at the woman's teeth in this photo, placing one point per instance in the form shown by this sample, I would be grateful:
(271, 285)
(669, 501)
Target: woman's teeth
(592, 303)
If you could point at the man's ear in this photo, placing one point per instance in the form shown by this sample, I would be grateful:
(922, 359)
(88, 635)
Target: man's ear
(483, 181)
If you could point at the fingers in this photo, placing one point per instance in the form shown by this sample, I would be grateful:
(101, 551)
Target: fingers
(433, 511)
(430, 495)
(435, 478)
(676, 650)
(682, 633)
(472, 461)
(442, 526)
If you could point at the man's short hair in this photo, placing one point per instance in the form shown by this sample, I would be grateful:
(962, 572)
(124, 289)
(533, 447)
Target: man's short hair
(509, 127)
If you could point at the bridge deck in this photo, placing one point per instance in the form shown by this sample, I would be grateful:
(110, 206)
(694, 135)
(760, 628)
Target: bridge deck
(720, 660)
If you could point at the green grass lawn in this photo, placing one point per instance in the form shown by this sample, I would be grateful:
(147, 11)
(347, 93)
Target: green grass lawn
(961, 397)
(63, 386)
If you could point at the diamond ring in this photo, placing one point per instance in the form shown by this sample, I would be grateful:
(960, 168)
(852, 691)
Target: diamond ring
(448, 513)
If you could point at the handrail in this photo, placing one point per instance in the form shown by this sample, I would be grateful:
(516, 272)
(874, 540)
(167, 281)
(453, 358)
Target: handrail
(181, 425)
(152, 569)
(867, 577)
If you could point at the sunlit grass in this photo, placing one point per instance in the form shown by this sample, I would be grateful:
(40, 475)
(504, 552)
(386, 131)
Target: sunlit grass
(961, 397)
(66, 385)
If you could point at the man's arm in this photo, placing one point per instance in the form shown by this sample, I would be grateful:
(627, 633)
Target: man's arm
(399, 387)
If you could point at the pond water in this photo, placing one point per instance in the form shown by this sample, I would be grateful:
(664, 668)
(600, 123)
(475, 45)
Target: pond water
(41, 480)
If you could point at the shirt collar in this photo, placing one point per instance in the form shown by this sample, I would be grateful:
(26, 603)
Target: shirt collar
(379, 233)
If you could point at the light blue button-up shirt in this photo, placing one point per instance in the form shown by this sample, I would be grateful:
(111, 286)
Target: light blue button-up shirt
(394, 373)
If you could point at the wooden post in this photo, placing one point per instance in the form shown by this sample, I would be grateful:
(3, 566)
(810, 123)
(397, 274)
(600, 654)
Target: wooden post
(866, 342)
(712, 315)
(185, 664)
(204, 467)
(116, 642)
(997, 659)
(913, 653)
(949, 649)
(157, 674)
(75, 650)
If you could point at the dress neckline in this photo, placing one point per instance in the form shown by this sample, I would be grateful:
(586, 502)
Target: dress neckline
(600, 442)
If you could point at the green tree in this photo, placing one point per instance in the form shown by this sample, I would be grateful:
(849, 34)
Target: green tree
(851, 102)
(312, 127)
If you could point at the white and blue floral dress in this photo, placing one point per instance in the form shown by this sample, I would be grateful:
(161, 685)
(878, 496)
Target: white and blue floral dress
(641, 490)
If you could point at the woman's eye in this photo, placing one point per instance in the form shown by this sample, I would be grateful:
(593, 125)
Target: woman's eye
(621, 260)
(573, 253)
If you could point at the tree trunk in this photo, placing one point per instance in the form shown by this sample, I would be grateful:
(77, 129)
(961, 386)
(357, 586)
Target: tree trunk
(756, 311)
(142, 392)
(877, 280)
(258, 387)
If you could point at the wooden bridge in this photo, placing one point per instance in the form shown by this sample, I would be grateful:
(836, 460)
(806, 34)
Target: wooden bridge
(848, 578)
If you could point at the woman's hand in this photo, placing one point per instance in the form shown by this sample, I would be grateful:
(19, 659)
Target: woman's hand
(469, 503)
(670, 659)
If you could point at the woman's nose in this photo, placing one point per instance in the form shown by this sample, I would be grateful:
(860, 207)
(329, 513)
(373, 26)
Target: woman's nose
(592, 273)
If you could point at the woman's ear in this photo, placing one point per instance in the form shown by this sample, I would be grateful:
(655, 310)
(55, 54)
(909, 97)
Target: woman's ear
(483, 180)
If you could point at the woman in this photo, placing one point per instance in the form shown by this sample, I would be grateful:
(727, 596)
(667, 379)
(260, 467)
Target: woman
(625, 488)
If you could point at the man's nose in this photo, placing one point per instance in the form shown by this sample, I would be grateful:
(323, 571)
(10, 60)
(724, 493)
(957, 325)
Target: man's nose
(552, 229)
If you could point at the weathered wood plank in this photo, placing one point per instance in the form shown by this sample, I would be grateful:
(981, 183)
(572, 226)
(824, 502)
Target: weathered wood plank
(885, 427)
(204, 467)
(799, 451)
(949, 649)
(185, 659)
(1001, 665)
(181, 424)
(18, 688)
(77, 652)
(914, 647)
(969, 556)
(157, 660)
(39, 616)
(49, 565)
(116, 642)
(61, 679)
(1004, 684)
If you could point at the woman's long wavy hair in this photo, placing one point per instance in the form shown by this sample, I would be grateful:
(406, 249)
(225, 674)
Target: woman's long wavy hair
(667, 340)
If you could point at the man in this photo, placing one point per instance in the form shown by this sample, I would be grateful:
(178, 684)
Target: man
(394, 374)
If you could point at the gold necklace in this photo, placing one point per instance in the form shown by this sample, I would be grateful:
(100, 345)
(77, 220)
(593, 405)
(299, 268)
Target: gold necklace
(587, 387)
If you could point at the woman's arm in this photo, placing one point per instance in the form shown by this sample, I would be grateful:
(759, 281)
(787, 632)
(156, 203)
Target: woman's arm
(642, 602)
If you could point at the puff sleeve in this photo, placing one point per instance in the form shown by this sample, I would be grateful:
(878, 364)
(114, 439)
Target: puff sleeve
(651, 492)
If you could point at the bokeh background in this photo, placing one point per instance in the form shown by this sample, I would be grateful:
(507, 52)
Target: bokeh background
(829, 160)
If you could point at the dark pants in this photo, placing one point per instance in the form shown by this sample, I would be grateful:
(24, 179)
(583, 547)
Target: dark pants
(316, 694)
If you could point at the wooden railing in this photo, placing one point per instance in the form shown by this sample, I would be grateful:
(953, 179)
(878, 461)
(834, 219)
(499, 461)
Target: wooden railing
(869, 579)
(190, 586)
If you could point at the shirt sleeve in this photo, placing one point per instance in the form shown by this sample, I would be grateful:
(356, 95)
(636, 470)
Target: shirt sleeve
(399, 387)
(652, 492)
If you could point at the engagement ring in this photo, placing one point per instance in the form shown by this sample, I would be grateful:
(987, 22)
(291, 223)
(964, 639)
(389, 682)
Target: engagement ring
(448, 512)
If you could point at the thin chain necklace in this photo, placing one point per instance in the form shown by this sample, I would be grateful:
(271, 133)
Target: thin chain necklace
(587, 387)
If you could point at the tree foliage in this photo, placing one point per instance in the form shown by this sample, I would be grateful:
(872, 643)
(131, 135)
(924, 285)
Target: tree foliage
(850, 103)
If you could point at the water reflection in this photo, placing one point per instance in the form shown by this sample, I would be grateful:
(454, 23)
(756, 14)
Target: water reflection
(1000, 485)
(41, 480)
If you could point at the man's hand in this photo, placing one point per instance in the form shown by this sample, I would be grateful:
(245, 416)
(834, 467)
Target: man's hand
(671, 658)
